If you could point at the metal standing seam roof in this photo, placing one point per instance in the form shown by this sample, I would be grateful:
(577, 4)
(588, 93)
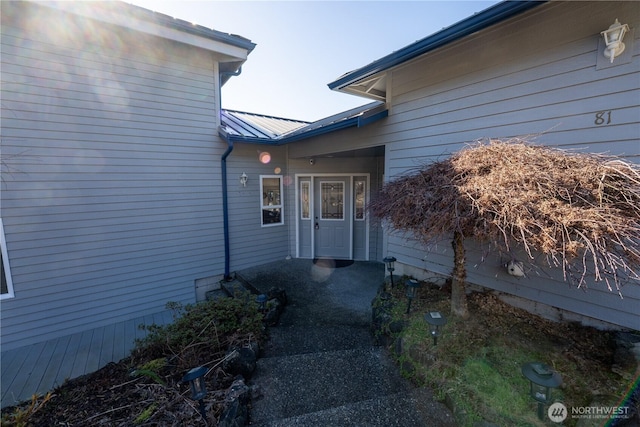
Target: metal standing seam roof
(250, 125)
(239, 126)
(468, 26)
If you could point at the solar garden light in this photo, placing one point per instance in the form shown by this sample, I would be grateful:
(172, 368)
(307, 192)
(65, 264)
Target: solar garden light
(389, 261)
(436, 321)
(542, 379)
(412, 287)
(262, 302)
(195, 378)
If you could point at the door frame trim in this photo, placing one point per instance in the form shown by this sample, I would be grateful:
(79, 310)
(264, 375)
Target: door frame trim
(313, 176)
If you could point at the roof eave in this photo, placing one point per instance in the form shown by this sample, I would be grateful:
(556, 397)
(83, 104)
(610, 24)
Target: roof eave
(129, 16)
(470, 25)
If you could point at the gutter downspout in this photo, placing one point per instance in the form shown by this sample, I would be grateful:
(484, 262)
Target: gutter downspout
(225, 201)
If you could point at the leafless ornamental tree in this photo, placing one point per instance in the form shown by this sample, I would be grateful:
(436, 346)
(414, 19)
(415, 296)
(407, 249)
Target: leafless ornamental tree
(582, 211)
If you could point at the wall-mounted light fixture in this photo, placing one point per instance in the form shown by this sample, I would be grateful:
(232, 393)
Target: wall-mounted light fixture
(243, 179)
(613, 39)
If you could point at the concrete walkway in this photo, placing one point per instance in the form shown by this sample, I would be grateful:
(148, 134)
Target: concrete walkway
(320, 366)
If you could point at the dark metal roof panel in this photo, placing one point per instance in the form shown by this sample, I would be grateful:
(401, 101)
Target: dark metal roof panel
(468, 26)
(251, 125)
(259, 129)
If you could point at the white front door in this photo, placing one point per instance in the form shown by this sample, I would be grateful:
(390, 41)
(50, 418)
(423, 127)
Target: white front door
(332, 217)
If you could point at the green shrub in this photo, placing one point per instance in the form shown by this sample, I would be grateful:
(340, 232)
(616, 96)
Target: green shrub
(207, 327)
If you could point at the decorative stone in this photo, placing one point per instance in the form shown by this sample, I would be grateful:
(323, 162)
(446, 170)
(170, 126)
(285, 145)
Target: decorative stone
(236, 412)
(279, 294)
(241, 361)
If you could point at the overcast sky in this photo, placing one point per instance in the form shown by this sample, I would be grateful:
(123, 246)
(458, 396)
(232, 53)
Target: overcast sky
(303, 45)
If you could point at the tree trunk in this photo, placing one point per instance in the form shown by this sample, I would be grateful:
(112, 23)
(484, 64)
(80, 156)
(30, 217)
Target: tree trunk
(458, 295)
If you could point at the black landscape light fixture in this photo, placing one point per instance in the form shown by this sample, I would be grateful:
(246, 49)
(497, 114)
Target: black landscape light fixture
(195, 378)
(436, 321)
(412, 288)
(542, 379)
(389, 262)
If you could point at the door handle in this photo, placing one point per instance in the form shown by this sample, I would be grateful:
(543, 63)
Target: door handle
(317, 226)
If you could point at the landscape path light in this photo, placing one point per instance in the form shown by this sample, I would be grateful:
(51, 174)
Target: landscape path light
(412, 288)
(195, 378)
(390, 263)
(542, 379)
(262, 302)
(436, 321)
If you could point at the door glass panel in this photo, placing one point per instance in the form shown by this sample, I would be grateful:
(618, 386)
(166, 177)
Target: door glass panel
(332, 200)
(359, 192)
(304, 200)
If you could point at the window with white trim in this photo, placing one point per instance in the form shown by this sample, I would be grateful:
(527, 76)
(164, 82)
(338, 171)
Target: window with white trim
(271, 200)
(6, 285)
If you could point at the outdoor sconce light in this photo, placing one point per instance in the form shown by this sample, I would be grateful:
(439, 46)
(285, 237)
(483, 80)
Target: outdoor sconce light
(243, 179)
(436, 321)
(412, 287)
(389, 261)
(262, 302)
(195, 378)
(613, 39)
(542, 379)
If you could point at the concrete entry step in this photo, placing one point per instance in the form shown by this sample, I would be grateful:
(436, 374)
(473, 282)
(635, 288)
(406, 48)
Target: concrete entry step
(305, 383)
(299, 339)
(414, 408)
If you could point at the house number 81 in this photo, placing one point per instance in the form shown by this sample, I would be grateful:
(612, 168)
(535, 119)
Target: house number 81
(602, 118)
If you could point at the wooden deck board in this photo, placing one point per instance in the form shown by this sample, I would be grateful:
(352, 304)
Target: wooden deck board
(80, 360)
(42, 367)
(23, 377)
(95, 348)
(38, 366)
(50, 376)
(118, 344)
(10, 374)
(109, 339)
(66, 364)
(6, 360)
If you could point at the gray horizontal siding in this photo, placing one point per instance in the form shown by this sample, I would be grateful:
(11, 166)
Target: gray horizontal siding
(501, 84)
(111, 177)
(543, 284)
(250, 243)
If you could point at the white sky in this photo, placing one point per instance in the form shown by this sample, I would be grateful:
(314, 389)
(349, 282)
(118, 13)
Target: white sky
(304, 45)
